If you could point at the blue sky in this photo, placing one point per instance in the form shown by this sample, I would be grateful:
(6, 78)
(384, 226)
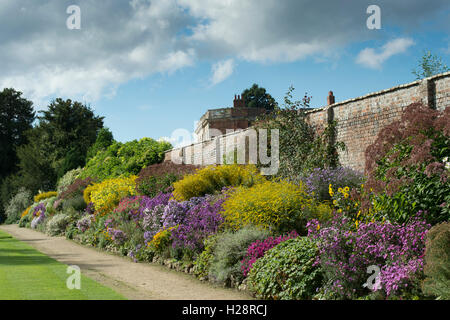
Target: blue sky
(150, 67)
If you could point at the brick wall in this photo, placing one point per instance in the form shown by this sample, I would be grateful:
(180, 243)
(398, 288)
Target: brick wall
(358, 120)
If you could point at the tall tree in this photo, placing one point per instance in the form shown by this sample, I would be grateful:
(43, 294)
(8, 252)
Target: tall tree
(16, 117)
(429, 65)
(70, 128)
(36, 171)
(257, 97)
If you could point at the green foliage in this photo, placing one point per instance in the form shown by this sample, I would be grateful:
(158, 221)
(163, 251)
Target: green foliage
(429, 65)
(408, 166)
(76, 203)
(301, 146)
(125, 159)
(17, 205)
(35, 162)
(229, 252)
(437, 262)
(58, 144)
(214, 178)
(70, 128)
(203, 262)
(16, 117)
(257, 97)
(286, 271)
(161, 243)
(104, 140)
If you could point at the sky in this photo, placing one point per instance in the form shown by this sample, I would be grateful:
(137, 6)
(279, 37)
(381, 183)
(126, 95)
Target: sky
(153, 66)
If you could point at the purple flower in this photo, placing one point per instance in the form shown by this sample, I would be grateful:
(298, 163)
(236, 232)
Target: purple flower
(199, 222)
(345, 254)
(118, 236)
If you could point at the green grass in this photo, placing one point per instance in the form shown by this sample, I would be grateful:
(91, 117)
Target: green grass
(27, 274)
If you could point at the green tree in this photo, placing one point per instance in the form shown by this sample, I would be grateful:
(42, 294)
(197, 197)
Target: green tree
(16, 117)
(429, 65)
(36, 168)
(301, 147)
(104, 140)
(257, 97)
(71, 128)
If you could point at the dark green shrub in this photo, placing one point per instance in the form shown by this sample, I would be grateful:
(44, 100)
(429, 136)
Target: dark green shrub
(203, 262)
(437, 262)
(286, 271)
(229, 252)
(76, 203)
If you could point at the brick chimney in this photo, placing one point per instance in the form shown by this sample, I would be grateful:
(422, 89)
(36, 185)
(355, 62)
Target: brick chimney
(238, 102)
(330, 98)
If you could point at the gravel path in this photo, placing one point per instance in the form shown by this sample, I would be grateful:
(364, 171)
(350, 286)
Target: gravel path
(137, 281)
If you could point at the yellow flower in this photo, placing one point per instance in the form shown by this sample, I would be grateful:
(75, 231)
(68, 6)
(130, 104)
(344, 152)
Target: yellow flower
(335, 202)
(318, 227)
(346, 189)
(27, 210)
(356, 223)
(345, 195)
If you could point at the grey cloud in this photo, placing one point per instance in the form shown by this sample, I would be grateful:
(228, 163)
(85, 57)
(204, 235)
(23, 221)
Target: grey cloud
(121, 40)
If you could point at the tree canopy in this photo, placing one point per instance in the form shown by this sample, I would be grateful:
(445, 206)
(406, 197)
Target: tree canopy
(105, 138)
(429, 65)
(16, 117)
(71, 128)
(257, 97)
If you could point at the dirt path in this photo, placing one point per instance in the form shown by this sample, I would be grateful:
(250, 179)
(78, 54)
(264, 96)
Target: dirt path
(137, 281)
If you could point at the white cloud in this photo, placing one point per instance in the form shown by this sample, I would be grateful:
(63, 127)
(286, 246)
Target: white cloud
(370, 58)
(221, 71)
(124, 40)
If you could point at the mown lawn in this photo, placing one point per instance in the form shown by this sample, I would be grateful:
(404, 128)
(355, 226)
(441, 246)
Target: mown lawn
(27, 274)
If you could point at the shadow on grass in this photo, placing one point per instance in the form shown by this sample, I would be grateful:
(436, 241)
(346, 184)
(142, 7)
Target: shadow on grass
(28, 260)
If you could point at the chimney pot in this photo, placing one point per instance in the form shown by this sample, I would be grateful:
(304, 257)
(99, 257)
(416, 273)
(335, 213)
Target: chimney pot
(330, 99)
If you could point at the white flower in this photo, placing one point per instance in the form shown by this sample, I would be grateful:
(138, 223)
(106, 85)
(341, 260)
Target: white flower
(446, 162)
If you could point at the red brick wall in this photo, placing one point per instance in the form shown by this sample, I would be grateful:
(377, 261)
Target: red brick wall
(358, 120)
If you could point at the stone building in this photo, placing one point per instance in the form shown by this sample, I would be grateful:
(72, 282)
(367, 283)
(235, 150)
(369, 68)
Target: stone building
(217, 121)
